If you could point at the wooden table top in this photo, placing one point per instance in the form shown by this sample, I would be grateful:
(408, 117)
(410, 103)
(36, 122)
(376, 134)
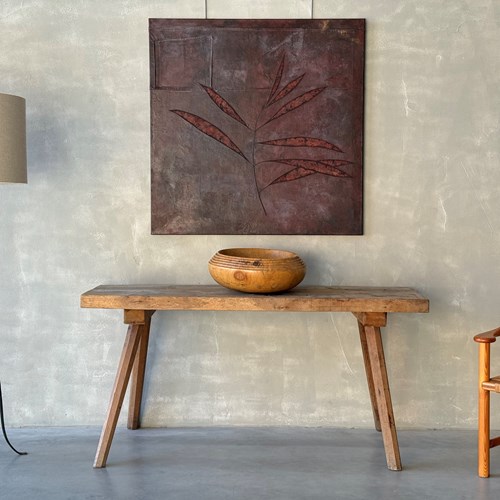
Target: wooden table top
(217, 298)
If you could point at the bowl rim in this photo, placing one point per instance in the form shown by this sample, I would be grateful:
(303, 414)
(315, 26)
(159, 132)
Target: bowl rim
(254, 253)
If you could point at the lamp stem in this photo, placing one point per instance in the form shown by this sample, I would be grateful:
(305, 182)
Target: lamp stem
(3, 426)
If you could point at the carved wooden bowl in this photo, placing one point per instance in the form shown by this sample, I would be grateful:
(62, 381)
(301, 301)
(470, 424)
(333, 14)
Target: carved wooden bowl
(257, 270)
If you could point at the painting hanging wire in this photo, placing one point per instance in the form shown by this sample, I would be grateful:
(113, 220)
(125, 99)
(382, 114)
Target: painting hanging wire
(206, 9)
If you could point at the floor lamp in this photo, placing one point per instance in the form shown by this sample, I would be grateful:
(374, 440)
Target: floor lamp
(12, 166)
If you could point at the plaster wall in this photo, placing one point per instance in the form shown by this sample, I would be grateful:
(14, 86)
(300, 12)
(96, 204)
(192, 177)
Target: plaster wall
(432, 177)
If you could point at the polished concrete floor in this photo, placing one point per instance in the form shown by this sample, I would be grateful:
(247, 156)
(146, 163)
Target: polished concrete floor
(243, 463)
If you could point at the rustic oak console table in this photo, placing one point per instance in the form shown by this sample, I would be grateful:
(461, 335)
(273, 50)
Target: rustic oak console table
(369, 305)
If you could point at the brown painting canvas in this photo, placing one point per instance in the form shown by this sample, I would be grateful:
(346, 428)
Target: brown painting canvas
(257, 126)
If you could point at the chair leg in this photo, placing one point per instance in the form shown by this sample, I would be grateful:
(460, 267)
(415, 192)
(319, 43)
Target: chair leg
(484, 412)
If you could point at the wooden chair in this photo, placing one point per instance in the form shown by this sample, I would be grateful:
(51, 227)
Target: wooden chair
(486, 385)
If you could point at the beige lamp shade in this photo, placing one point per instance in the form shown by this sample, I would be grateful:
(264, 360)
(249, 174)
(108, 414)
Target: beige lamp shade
(12, 139)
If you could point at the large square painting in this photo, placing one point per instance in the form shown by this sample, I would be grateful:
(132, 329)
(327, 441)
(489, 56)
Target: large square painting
(257, 126)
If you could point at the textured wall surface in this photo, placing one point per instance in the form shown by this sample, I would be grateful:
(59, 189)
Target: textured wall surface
(432, 182)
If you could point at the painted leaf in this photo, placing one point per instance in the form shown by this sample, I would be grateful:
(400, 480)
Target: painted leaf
(286, 90)
(336, 163)
(277, 78)
(320, 166)
(223, 104)
(298, 142)
(330, 170)
(293, 175)
(208, 129)
(296, 103)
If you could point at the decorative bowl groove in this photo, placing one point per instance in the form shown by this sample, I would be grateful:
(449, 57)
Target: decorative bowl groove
(257, 270)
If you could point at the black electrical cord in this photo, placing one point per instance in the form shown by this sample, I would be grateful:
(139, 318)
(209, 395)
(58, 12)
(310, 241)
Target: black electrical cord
(3, 426)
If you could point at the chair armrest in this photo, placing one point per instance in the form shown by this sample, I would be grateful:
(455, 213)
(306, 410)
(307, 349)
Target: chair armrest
(488, 337)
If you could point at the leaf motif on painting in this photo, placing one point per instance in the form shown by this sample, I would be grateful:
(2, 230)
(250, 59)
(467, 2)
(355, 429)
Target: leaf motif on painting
(277, 79)
(286, 90)
(296, 103)
(326, 167)
(300, 167)
(298, 142)
(208, 129)
(336, 163)
(223, 105)
(293, 175)
(330, 170)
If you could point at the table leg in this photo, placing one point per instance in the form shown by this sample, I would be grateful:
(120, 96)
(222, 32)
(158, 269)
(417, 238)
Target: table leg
(369, 375)
(383, 396)
(138, 371)
(121, 381)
